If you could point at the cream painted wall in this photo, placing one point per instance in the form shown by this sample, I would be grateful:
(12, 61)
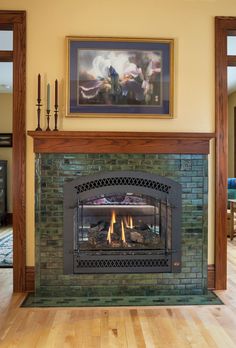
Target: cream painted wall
(189, 22)
(231, 106)
(6, 152)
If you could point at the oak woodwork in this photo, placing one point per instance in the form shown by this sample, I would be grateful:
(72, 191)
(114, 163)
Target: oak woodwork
(211, 277)
(120, 142)
(231, 60)
(19, 151)
(16, 21)
(29, 278)
(223, 27)
(6, 56)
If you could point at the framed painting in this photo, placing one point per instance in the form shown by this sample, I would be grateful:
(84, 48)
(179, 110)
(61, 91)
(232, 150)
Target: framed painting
(5, 139)
(119, 77)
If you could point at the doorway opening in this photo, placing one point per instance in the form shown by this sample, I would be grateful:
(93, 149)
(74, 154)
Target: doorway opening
(15, 22)
(225, 29)
(6, 102)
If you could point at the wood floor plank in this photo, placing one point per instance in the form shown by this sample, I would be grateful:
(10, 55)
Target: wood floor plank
(157, 327)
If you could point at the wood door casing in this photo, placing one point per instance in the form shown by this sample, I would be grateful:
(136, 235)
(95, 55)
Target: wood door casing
(16, 21)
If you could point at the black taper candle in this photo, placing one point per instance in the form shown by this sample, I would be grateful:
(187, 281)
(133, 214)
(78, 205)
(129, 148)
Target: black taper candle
(56, 106)
(39, 103)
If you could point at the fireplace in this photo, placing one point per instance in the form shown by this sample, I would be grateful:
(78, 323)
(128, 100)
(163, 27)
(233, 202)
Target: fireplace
(122, 222)
(151, 180)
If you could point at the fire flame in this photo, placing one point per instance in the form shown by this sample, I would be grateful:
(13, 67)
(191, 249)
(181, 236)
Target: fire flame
(109, 236)
(131, 222)
(123, 232)
(113, 220)
(111, 227)
(113, 217)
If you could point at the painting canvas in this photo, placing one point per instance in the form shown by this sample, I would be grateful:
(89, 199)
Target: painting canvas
(120, 77)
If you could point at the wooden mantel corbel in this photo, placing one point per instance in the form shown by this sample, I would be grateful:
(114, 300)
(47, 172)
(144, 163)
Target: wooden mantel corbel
(121, 142)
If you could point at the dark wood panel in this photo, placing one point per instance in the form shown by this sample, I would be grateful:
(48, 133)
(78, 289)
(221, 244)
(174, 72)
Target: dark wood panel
(6, 56)
(231, 60)
(29, 278)
(231, 32)
(121, 142)
(9, 18)
(6, 26)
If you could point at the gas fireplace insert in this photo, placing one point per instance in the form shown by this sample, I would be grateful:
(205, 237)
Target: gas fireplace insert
(122, 222)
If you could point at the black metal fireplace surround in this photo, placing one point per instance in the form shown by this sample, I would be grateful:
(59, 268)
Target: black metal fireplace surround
(122, 222)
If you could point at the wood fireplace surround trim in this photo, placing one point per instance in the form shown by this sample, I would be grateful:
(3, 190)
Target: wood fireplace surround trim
(120, 142)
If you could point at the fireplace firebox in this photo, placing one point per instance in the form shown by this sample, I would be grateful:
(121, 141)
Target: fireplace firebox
(122, 222)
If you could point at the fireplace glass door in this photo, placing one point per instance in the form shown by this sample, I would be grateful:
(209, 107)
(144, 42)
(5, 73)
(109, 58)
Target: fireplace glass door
(122, 222)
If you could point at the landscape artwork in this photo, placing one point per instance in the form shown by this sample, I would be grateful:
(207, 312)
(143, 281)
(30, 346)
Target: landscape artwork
(119, 78)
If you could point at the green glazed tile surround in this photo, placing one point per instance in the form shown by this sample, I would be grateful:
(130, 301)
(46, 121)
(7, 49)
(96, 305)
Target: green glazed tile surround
(52, 170)
(208, 298)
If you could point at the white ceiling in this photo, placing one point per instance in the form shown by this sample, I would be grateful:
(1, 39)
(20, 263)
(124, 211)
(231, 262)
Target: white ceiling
(6, 69)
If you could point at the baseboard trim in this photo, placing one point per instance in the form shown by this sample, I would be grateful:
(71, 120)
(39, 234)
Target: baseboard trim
(211, 277)
(30, 277)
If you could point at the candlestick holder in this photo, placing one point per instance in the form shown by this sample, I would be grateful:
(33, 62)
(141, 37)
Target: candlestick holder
(55, 117)
(38, 114)
(48, 120)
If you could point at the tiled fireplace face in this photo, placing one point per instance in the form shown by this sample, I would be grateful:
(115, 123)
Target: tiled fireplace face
(53, 170)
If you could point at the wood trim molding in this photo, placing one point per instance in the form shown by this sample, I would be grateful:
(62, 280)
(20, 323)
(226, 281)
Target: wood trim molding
(223, 26)
(231, 60)
(19, 151)
(30, 278)
(211, 277)
(120, 142)
(6, 56)
(16, 21)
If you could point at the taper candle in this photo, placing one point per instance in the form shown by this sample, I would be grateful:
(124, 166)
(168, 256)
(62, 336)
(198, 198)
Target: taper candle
(56, 93)
(48, 96)
(39, 86)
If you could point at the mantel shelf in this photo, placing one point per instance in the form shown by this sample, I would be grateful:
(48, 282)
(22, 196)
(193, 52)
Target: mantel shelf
(120, 142)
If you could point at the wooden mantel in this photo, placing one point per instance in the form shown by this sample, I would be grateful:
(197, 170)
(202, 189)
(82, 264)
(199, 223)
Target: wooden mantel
(120, 142)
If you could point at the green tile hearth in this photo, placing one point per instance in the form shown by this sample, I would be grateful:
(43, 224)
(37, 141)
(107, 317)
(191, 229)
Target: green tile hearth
(206, 299)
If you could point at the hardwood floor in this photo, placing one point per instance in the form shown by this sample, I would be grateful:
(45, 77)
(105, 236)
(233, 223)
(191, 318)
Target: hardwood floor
(178, 327)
